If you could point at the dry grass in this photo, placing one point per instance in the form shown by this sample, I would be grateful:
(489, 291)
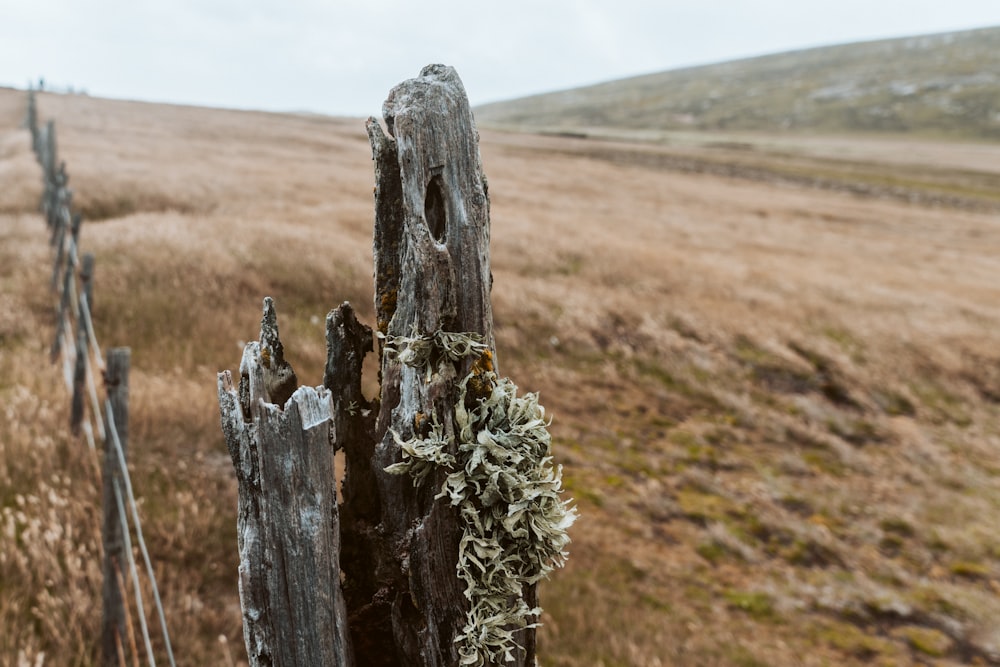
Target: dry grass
(777, 406)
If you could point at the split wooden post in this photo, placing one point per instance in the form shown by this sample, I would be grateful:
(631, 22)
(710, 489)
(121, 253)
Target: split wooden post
(288, 532)
(47, 158)
(390, 594)
(432, 273)
(113, 624)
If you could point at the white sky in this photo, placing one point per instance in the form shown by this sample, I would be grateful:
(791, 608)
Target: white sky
(342, 58)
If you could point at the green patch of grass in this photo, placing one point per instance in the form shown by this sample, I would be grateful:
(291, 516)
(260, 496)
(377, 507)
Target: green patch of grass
(740, 656)
(825, 460)
(846, 340)
(115, 206)
(856, 431)
(580, 491)
(796, 505)
(677, 386)
(970, 570)
(891, 545)
(930, 599)
(943, 405)
(779, 541)
(937, 544)
(894, 403)
(704, 508)
(750, 352)
(695, 450)
(656, 603)
(806, 552)
(569, 264)
(756, 604)
(850, 639)
(767, 533)
(897, 526)
(614, 481)
(713, 551)
(928, 641)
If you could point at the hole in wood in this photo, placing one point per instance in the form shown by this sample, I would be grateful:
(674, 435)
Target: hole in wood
(434, 209)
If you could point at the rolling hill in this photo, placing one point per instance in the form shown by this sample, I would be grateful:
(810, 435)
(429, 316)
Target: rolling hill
(934, 85)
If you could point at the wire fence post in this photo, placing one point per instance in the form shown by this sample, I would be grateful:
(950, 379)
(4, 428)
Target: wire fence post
(32, 120)
(75, 336)
(113, 626)
(66, 298)
(47, 158)
(82, 341)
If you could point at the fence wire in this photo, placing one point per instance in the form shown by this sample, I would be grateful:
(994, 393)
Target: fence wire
(123, 470)
(73, 315)
(133, 572)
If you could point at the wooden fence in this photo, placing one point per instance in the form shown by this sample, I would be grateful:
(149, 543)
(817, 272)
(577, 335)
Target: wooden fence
(450, 512)
(75, 346)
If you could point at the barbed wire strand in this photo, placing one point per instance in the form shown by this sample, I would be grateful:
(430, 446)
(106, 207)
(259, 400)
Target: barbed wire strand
(89, 322)
(133, 571)
(88, 433)
(129, 628)
(92, 368)
(66, 328)
(113, 432)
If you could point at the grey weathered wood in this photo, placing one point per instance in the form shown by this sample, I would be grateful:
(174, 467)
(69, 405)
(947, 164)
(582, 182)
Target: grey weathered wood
(79, 382)
(50, 151)
(32, 120)
(82, 346)
(402, 602)
(59, 241)
(432, 272)
(288, 532)
(113, 625)
(57, 201)
(87, 282)
(67, 285)
(348, 341)
(47, 157)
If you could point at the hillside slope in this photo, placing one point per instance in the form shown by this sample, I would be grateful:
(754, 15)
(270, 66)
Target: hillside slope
(945, 84)
(778, 405)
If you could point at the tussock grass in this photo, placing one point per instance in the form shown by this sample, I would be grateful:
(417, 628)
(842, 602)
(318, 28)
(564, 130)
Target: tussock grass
(775, 404)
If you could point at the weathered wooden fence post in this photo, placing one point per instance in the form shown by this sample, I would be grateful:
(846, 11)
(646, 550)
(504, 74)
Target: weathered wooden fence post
(67, 265)
(113, 625)
(279, 440)
(82, 344)
(432, 274)
(450, 505)
(31, 120)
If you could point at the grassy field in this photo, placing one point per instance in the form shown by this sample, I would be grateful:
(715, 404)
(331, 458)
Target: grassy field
(942, 85)
(773, 365)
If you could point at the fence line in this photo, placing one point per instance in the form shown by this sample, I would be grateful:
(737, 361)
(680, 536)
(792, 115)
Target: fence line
(75, 345)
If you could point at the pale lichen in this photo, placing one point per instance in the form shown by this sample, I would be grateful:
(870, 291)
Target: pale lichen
(507, 492)
(426, 351)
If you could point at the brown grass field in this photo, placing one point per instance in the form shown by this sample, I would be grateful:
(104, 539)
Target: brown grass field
(773, 366)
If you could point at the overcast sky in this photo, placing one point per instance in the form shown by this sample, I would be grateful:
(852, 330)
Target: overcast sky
(342, 58)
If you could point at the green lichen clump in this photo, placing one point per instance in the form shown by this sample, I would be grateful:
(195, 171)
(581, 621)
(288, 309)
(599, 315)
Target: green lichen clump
(427, 350)
(507, 491)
